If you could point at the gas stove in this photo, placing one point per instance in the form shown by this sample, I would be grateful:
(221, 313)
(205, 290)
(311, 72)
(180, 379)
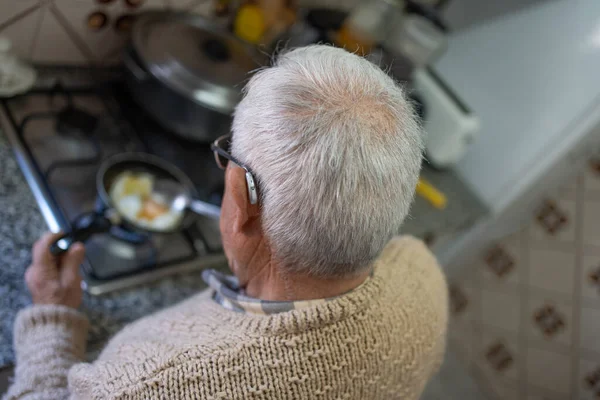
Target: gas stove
(63, 129)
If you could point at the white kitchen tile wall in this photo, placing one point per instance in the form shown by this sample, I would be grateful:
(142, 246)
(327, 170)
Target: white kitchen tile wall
(89, 31)
(526, 315)
(22, 28)
(54, 41)
(12, 10)
(78, 31)
(102, 41)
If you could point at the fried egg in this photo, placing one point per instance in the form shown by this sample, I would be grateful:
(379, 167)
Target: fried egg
(133, 197)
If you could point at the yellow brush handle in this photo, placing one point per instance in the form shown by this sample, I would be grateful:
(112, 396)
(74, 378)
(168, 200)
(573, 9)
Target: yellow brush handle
(431, 194)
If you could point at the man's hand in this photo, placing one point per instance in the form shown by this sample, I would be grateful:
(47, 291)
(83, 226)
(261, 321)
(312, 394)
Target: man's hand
(55, 279)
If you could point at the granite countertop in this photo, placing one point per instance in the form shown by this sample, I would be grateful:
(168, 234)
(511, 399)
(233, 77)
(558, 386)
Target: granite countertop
(22, 224)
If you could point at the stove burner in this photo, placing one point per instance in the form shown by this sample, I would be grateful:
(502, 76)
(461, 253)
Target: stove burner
(75, 121)
(129, 236)
(113, 257)
(67, 132)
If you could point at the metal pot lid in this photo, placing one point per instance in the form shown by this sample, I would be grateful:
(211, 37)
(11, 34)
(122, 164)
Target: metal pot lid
(194, 57)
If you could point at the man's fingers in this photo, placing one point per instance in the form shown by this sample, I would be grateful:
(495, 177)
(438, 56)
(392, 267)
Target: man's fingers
(30, 278)
(41, 251)
(70, 262)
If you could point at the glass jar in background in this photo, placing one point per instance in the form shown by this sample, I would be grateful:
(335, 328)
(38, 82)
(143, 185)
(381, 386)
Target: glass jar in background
(369, 24)
(417, 38)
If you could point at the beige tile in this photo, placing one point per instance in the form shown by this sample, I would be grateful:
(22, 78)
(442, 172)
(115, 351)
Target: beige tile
(568, 191)
(566, 234)
(590, 288)
(559, 322)
(512, 249)
(461, 330)
(590, 329)
(588, 381)
(501, 310)
(541, 394)
(100, 42)
(463, 340)
(54, 45)
(464, 304)
(552, 270)
(10, 9)
(591, 226)
(23, 32)
(549, 370)
(503, 389)
(591, 180)
(498, 356)
(498, 370)
(469, 276)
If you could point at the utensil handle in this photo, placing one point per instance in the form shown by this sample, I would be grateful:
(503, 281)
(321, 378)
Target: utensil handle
(206, 209)
(85, 226)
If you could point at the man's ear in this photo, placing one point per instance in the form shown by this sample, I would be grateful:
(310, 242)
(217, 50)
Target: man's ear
(236, 186)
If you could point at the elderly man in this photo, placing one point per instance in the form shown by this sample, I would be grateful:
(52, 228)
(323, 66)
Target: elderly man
(325, 302)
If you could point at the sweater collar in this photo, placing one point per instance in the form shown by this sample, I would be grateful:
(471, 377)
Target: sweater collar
(228, 293)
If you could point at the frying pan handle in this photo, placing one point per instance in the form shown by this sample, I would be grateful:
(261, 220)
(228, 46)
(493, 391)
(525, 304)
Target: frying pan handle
(206, 209)
(85, 226)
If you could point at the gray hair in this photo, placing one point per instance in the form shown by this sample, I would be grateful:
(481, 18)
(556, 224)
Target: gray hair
(336, 149)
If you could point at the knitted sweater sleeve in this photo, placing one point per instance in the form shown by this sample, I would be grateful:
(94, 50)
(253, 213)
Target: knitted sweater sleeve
(48, 340)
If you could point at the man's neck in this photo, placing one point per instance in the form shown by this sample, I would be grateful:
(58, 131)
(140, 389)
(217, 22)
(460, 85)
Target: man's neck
(271, 284)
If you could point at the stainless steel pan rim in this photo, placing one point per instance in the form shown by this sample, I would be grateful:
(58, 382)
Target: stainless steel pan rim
(144, 159)
(106, 217)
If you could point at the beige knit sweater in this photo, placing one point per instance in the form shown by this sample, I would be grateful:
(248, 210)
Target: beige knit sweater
(383, 340)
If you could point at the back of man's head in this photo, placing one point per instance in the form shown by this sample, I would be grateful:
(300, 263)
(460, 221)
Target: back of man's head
(336, 149)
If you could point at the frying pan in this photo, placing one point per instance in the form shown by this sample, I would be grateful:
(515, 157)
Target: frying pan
(169, 181)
